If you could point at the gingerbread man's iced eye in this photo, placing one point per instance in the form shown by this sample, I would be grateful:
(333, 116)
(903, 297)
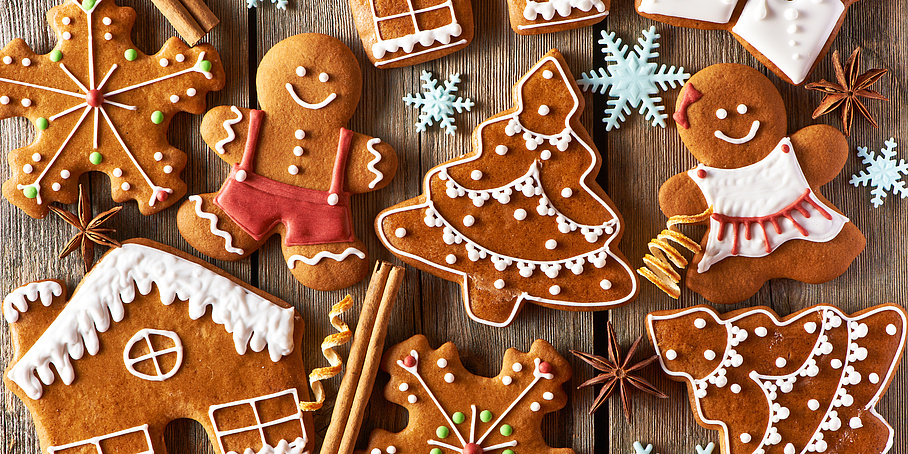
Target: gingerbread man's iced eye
(742, 109)
(300, 71)
(722, 114)
(323, 77)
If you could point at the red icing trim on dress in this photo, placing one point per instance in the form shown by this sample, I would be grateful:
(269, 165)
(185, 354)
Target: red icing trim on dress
(691, 95)
(774, 218)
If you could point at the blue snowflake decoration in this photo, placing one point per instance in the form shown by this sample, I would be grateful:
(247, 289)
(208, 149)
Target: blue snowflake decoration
(883, 173)
(438, 103)
(632, 80)
(280, 4)
(639, 449)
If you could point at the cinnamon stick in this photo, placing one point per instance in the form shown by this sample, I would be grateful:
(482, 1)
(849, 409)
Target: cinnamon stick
(186, 23)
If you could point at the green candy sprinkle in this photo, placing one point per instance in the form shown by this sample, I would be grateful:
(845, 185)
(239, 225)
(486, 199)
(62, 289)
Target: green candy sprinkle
(435, 451)
(157, 117)
(506, 430)
(30, 192)
(459, 418)
(56, 56)
(41, 123)
(95, 158)
(131, 55)
(442, 432)
(206, 65)
(485, 416)
(88, 4)
(507, 451)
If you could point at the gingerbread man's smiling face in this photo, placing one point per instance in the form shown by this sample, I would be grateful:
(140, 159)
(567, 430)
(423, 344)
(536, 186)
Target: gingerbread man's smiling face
(311, 77)
(730, 116)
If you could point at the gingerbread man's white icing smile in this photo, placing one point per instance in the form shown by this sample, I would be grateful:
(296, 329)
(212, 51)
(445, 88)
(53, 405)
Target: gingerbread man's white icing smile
(754, 127)
(323, 77)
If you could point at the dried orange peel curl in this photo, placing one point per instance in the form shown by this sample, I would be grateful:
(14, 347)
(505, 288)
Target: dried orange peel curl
(663, 256)
(332, 340)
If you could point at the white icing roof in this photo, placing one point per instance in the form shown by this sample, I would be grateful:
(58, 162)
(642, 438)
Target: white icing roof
(254, 321)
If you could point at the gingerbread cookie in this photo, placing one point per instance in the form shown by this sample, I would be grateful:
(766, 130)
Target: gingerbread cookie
(399, 33)
(451, 409)
(757, 189)
(521, 218)
(101, 105)
(808, 383)
(788, 36)
(530, 17)
(295, 166)
(150, 335)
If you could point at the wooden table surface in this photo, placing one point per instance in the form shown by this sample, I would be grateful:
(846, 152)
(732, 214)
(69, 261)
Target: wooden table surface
(638, 158)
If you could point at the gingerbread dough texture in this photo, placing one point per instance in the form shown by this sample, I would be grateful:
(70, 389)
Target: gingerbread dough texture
(98, 104)
(294, 167)
(804, 383)
(769, 219)
(521, 218)
(151, 335)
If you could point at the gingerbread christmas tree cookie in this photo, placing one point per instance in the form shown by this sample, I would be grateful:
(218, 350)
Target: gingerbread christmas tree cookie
(806, 383)
(521, 218)
(100, 105)
(453, 411)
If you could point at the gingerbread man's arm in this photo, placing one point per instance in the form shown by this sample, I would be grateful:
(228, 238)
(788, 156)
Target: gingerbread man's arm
(681, 196)
(371, 165)
(224, 129)
(822, 151)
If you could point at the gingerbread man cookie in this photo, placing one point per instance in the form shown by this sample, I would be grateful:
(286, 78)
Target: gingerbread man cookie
(295, 166)
(807, 383)
(101, 105)
(758, 186)
(521, 218)
(452, 410)
(531, 17)
(151, 335)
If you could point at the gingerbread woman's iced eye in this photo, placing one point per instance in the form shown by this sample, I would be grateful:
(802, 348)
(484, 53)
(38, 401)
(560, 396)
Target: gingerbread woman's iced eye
(722, 114)
(323, 77)
(742, 109)
(300, 71)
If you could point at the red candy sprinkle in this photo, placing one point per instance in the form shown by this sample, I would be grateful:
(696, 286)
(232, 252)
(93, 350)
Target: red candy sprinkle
(701, 173)
(409, 361)
(472, 448)
(545, 367)
(786, 148)
(163, 195)
(95, 98)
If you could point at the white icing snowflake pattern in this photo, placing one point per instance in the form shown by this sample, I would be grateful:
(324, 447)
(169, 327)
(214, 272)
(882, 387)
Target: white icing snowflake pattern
(632, 80)
(438, 103)
(883, 173)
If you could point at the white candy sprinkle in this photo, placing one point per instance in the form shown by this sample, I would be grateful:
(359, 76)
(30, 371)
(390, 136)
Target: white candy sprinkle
(501, 150)
(375, 451)
(781, 362)
(517, 367)
(520, 214)
(323, 77)
(449, 378)
(300, 134)
(469, 220)
(476, 175)
(813, 404)
(810, 327)
(499, 284)
(8, 60)
(403, 387)
(545, 155)
(293, 170)
(709, 355)
(164, 62)
(742, 109)
(411, 398)
(700, 323)
(551, 244)
(891, 330)
(4, 100)
(391, 450)
(874, 378)
(671, 355)
(67, 36)
(736, 388)
(554, 290)
(400, 232)
(174, 99)
(125, 186)
(451, 259)
(548, 396)
(66, 21)
(605, 284)
(36, 157)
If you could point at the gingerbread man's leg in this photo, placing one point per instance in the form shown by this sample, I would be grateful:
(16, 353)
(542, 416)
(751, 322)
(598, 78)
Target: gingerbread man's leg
(208, 228)
(328, 266)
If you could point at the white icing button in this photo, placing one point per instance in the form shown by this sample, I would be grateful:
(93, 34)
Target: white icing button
(333, 199)
(400, 232)
(190, 92)
(545, 155)
(781, 362)
(323, 77)
(810, 327)
(298, 151)
(813, 404)
(761, 331)
(548, 396)
(4, 100)
(506, 380)
(671, 355)
(293, 170)
(700, 323)
(566, 192)
(174, 99)
(451, 259)
(442, 363)
(874, 378)
(27, 168)
(26, 102)
(721, 114)
(547, 74)
(36, 157)
(180, 58)
(501, 150)
(125, 186)
(736, 388)
(476, 174)
(535, 406)
(517, 367)
(105, 21)
(544, 110)
(745, 438)
(66, 21)
(554, 290)
(403, 387)
(28, 62)
(449, 378)
(709, 355)
(240, 176)
(164, 62)
(605, 284)
(55, 187)
(300, 134)
(520, 214)
(551, 244)
(411, 398)
(300, 71)
(7, 60)
(499, 284)
(891, 330)
(742, 109)
(64, 174)
(855, 423)
(469, 220)
(108, 36)
(118, 172)
(158, 156)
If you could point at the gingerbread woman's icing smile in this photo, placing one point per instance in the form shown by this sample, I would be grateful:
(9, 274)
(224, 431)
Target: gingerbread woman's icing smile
(754, 127)
(323, 77)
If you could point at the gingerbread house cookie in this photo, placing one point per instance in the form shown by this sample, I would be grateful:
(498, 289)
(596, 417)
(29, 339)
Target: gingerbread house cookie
(531, 17)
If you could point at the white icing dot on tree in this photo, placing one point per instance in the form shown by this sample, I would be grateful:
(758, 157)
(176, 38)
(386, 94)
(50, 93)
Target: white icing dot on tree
(499, 284)
(745, 438)
(468, 220)
(323, 77)
(517, 367)
(700, 323)
(26, 102)
(781, 362)
(709, 355)
(411, 398)
(547, 74)
(671, 355)
(520, 214)
(566, 192)
(174, 99)
(551, 244)
(64, 174)
(55, 187)
(501, 150)
(125, 186)
(813, 404)
(164, 62)
(400, 232)
(476, 174)
(535, 406)
(891, 329)
(298, 151)
(27, 168)
(451, 259)
(169, 169)
(300, 134)
(293, 170)
(761, 331)
(548, 396)
(544, 110)
(403, 387)
(36, 157)
(442, 363)
(180, 58)
(605, 284)
(449, 378)
(555, 290)
(191, 92)
(506, 380)
(810, 327)
(118, 172)
(158, 156)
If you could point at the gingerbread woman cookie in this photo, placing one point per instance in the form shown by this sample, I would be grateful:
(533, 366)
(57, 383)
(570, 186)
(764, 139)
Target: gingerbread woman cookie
(151, 335)
(531, 17)
(757, 188)
(452, 410)
(295, 166)
(521, 218)
(101, 105)
(807, 383)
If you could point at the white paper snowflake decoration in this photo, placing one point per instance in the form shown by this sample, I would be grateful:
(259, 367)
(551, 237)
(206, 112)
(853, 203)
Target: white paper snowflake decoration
(632, 80)
(883, 173)
(438, 103)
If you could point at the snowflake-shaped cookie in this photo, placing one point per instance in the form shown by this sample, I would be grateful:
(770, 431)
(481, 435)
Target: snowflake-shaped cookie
(100, 104)
(883, 173)
(632, 80)
(438, 103)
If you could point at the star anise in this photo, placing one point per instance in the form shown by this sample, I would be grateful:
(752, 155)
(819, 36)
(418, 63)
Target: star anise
(848, 91)
(89, 228)
(618, 373)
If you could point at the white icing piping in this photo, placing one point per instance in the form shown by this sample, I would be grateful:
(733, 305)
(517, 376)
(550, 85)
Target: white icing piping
(416, 54)
(254, 321)
(754, 128)
(291, 262)
(870, 405)
(307, 105)
(564, 21)
(371, 166)
(213, 225)
(96, 441)
(295, 447)
(143, 336)
(228, 126)
(564, 8)
(17, 300)
(426, 38)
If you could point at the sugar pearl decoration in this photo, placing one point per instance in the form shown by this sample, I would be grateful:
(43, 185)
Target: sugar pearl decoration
(400, 232)
(789, 449)
(300, 71)
(469, 220)
(810, 327)
(125, 186)
(293, 170)
(891, 330)
(191, 92)
(855, 423)
(411, 398)
(555, 289)
(547, 74)
(300, 134)
(323, 77)
(64, 174)
(164, 62)
(174, 99)
(507, 380)
(8, 60)
(36, 157)
(736, 388)
(709, 355)
(745, 438)
(391, 450)
(108, 36)
(26, 102)
(27, 168)
(499, 284)
(566, 192)
(742, 109)
(520, 214)
(105, 21)
(781, 362)
(548, 396)
(240, 176)
(700, 323)
(874, 378)
(671, 355)
(721, 114)
(375, 451)
(180, 58)
(535, 406)
(442, 363)
(158, 156)
(813, 404)
(551, 244)
(298, 151)
(118, 172)
(545, 155)
(66, 21)
(449, 378)
(451, 259)
(55, 187)
(4, 100)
